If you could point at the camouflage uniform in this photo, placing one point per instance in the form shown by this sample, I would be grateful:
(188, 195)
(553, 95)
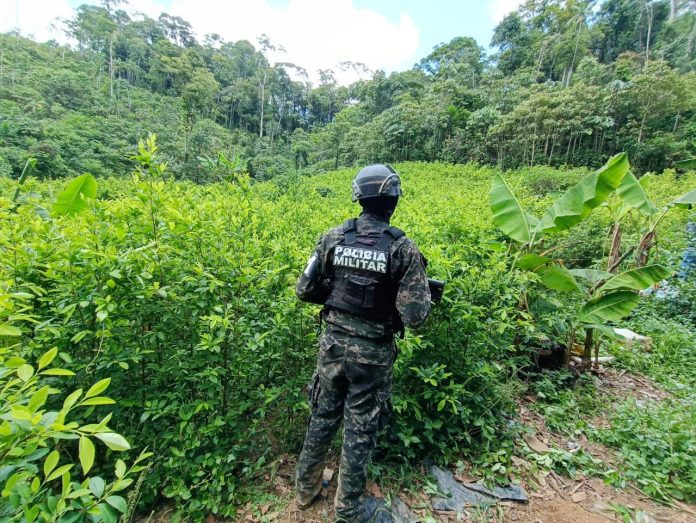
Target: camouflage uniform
(354, 371)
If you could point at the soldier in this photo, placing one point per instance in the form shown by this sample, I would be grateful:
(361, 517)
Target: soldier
(371, 280)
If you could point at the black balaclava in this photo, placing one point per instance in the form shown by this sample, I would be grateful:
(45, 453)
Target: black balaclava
(381, 206)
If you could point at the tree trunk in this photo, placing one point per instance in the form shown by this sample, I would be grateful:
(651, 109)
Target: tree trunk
(642, 126)
(643, 251)
(553, 146)
(615, 250)
(111, 69)
(263, 102)
(575, 52)
(649, 8)
(587, 353)
(692, 38)
(534, 143)
(569, 346)
(570, 141)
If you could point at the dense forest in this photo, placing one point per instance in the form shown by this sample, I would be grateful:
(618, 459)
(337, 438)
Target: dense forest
(568, 83)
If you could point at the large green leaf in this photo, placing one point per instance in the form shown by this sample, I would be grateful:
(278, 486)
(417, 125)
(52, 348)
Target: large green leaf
(508, 213)
(9, 330)
(531, 262)
(686, 199)
(633, 194)
(591, 275)
(686, 165)
(558, 278)
(637, 279)
(72, 199)
(609, 307)
(86, 453)
(579, 201)
(113, 441)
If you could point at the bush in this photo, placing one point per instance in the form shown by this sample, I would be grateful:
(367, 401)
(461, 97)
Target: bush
(657, 446)
(39, 482)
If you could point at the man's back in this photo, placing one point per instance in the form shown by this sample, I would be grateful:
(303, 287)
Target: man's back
(371, 280)
(406, 268)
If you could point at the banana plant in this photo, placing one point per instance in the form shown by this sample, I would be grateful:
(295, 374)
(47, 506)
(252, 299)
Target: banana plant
(633, 196)
(608, 297)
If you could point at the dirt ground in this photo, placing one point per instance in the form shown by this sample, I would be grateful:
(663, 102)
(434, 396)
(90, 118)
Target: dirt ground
(552, 498)
(555, 500)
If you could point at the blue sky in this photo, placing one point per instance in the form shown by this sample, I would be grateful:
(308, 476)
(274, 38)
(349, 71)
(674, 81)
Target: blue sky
(441, 20)
(317, 34)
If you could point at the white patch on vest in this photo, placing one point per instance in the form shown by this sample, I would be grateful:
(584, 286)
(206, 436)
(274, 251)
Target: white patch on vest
(310, 265)
(359, 258)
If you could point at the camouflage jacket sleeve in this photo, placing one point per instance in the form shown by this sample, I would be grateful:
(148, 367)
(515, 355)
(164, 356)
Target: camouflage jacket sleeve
(413, 293)
(312, 285)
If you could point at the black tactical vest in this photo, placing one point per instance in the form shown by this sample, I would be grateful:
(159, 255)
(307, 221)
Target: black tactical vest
(360, 274)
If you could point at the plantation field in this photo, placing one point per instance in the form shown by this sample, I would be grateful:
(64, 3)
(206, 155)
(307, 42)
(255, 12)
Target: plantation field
(183, 296)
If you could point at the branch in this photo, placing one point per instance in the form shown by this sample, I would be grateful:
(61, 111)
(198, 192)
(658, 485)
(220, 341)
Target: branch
(612, 268)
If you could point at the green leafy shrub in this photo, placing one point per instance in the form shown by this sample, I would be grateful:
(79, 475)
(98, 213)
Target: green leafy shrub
(657, 446)
(37, 438)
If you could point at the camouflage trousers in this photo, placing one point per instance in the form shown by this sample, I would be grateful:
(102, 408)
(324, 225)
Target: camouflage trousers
(352, 383)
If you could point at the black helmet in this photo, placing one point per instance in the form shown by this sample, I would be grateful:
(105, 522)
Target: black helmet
(378, 179)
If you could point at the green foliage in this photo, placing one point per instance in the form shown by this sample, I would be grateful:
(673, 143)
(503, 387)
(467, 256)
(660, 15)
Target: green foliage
(566, 85)
(636, 279)
(40, 484)
(508, 213)
(633, 194)
(73, 198)
(581, 199)
(657, 446)
(609, 298)
(609, 307)
(670, 360)
(686, 165)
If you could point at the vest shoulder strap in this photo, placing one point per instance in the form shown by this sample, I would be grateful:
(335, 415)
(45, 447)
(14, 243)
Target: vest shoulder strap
(389, 235)
(349, 229)
(396, 232)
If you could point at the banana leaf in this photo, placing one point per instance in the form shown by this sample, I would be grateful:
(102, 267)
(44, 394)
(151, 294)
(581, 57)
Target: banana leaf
(591, 275)
(685, 200)
(686, 165)
(558, 278)
(508, 213)
(72, 199)
(531, 262)
(637, 279)
(633, 194)
(579, 201)
(609, 307)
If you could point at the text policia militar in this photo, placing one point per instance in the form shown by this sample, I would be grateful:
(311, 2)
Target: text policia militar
(359, 258)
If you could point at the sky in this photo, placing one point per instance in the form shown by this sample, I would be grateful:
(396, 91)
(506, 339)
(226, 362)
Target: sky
(316, 34)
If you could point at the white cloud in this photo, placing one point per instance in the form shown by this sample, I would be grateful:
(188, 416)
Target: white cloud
(36, 18)
(316, 34)
(499, 8)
